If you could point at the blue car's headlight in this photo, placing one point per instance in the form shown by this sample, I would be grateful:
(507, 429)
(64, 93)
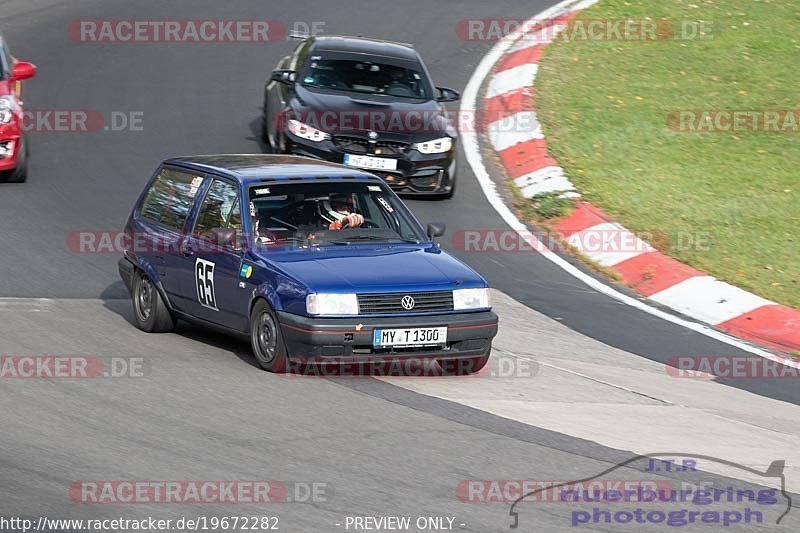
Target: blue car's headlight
(332, 304)
(470, 299)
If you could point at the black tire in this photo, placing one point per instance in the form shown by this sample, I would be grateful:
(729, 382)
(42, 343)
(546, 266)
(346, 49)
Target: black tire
(19, 174)
(266, 339)
(150, 313)
(462, 367)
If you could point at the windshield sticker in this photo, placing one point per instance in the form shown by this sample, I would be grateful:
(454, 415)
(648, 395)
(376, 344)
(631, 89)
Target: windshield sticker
(195, 185)
(385, 204)
(252, 210)
(259, 192)
(374, 188)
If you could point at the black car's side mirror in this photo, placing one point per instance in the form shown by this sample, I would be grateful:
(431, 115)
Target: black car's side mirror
(284, 76)
(447, 95)
(436, 229)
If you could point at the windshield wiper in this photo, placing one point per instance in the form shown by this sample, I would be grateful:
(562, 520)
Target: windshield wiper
(356, 238)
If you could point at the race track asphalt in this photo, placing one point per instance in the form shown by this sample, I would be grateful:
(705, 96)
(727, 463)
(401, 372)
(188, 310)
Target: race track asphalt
(202, 411)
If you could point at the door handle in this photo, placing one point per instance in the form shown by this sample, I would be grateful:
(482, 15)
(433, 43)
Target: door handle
(187, 251)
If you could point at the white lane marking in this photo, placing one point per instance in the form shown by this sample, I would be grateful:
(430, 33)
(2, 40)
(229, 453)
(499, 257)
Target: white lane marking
(512, 79)
(514, 129)
(546, 35)
(538, 176)
(548, 185)
(709, 299)
(472, 152)
(32, 305)
(608, 244)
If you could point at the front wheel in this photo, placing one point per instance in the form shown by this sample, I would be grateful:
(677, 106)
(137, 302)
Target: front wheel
(19, 174)
(266, 339)
(149, 310)
(462, 367)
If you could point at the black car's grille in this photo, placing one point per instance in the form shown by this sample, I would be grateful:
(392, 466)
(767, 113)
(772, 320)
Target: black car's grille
(389, 303)
(357, 145)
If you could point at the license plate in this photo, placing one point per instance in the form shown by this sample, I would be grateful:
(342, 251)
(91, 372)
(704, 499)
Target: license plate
(409, 337)
(367, 161)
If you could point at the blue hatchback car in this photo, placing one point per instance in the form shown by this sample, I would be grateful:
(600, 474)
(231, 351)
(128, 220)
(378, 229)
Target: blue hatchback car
(313, 262)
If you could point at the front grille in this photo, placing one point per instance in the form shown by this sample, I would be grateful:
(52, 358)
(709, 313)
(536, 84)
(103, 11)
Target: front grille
(357, 145)
(391, 303)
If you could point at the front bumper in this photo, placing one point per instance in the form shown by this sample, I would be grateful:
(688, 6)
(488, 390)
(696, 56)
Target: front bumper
(10, 134)
(345, 340)
(416, 174)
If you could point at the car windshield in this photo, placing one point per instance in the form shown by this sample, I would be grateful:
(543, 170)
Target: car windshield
(329, 213)
(366, 77)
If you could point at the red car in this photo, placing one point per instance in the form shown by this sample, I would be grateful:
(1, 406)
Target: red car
(13, 148)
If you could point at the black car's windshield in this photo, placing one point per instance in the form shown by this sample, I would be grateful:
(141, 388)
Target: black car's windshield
(371, 76)
(329, 213)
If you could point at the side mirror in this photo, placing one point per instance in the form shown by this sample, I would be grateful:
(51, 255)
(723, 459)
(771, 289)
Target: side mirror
(447, 95)
(436, 229)
(23, 70)
(284, 76)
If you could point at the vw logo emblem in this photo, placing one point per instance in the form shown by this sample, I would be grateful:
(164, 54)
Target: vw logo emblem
(372, 135)
(407, 302)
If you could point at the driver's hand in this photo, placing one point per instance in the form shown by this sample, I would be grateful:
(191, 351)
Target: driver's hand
(353, 220)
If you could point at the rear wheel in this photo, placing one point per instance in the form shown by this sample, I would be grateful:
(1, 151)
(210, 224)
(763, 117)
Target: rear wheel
(266, 339)
(149, 310)
(462, 367)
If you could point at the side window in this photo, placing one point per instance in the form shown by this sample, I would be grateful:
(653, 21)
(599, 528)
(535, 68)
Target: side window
(5, 60)
(220, 209)
(170, 198)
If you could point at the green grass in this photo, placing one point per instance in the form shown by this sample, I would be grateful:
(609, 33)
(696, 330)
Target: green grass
(604, 109)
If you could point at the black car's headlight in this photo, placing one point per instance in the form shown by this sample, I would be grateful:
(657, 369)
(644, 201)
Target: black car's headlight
(436, 146)
(304, 131)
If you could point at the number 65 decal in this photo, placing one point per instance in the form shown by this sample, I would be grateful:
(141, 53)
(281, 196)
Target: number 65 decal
(204, 274)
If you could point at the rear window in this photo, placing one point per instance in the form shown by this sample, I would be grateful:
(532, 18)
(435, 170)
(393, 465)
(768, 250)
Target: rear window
(170, 198)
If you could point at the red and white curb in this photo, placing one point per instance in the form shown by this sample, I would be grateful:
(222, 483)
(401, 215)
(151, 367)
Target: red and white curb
(510, 123)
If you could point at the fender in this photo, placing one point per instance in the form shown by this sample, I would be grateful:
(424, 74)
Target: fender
(267, 292)
(148, 269)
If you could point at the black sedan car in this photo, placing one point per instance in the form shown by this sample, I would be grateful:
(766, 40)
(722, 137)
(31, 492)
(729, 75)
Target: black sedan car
(365, 103)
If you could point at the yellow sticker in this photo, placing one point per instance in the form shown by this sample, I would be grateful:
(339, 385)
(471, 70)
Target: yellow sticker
(249, 272)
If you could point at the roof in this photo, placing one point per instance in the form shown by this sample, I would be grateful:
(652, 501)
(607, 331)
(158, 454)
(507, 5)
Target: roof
(362, 45)
(248, 168)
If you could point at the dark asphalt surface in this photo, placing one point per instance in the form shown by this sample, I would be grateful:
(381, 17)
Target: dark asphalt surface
(205, 98)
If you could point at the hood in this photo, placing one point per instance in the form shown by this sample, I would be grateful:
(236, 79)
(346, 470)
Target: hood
(342, 113)
(363, 268)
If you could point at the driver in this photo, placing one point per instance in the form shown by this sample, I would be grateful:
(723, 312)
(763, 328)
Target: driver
(340, 212)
